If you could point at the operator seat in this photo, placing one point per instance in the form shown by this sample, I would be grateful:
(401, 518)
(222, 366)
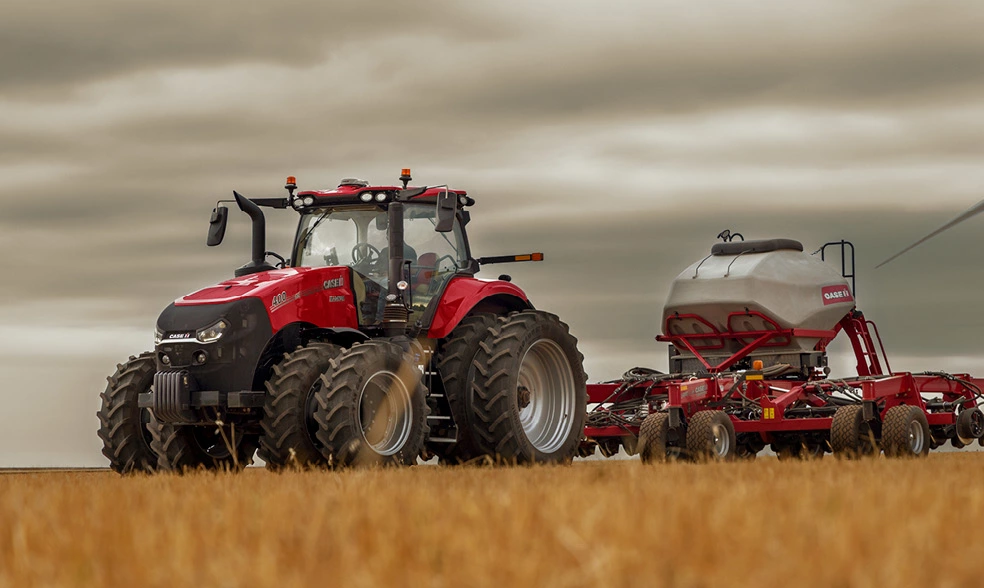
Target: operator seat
(408, 253)
(426, 268)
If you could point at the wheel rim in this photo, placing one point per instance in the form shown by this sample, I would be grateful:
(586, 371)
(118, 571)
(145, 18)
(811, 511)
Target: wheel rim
(917, 436)
(385, 413)
(720, 441)
(546, 387)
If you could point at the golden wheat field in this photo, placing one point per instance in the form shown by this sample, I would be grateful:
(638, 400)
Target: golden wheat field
(765, 523)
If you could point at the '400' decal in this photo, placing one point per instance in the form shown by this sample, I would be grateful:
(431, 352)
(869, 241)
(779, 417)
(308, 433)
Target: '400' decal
(278, 301)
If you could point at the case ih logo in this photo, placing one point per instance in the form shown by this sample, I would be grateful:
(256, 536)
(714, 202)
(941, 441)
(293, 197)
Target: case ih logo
(336, 283)
(835, 294)
(179, 336)
(693, 392)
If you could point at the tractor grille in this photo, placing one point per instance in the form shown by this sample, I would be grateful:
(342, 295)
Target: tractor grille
(172, 396)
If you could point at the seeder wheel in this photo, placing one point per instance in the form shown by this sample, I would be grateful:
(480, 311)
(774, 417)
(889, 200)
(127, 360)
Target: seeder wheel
(711, 436)
(850, 435)
(905, 432)
(655, 444)
(970, 426)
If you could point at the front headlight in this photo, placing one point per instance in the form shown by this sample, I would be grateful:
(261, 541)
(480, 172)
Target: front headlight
(158, 336)
(212, 333)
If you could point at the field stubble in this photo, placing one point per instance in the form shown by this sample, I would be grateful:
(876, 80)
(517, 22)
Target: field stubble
(874, 522)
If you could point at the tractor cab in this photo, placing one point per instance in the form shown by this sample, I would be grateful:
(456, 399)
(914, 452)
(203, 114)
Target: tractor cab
(403, 245)
(357, 236)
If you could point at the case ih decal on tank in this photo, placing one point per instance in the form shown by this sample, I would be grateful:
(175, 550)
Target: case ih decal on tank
(748, 328)
(373, 344)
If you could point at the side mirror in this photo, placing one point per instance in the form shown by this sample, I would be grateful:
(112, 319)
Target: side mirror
(447, 203)
(217, 225)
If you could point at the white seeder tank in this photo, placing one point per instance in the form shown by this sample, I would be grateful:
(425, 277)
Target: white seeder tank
(773, 277)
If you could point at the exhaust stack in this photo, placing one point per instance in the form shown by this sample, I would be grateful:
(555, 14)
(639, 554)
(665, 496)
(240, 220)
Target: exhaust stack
(258, 263)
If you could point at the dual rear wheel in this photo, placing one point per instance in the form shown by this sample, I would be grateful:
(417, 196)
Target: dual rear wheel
(527, 399)
(514, 384)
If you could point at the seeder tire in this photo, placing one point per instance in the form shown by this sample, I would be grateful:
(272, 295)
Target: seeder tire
(371, 407)
(711, 436)
(905, 432)
(970, 426)
(187, 448)
(654, 440)
(850, 435)
(122, 424)
(289, 429)
(533, 354)
(454, 362)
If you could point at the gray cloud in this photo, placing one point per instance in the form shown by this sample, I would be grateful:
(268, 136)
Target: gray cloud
(53, 43)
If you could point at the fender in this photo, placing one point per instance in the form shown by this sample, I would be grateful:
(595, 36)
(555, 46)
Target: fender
(463, 294)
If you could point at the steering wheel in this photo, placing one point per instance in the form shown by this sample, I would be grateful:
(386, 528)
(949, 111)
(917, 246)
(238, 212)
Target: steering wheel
(283, 262)
(364, 254)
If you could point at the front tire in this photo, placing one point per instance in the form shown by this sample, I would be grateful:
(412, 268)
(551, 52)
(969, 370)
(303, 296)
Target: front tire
(183, 448)
(122, 424)
(371, 407)
(289, 428)
(528, 400)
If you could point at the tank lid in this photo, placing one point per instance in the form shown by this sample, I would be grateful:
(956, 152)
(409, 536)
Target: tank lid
(763, 246)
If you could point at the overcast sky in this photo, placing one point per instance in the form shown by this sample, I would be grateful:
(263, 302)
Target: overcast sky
(618, 138)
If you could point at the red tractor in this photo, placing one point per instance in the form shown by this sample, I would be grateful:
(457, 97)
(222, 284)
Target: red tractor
(374, 343)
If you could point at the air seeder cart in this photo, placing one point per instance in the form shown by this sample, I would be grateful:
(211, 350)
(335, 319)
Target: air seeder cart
(748, 328)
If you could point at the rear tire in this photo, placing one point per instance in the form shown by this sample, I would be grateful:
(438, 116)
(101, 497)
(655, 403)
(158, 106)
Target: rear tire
(850, 435)
(183, 448)
(122, 424)
(528, 400)
(905, 432)
(289, 428)
(711, 436)
(455, 364)
(371, 408)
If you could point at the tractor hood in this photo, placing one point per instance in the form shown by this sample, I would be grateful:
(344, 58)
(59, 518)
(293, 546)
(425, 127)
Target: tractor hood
(321, 296)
